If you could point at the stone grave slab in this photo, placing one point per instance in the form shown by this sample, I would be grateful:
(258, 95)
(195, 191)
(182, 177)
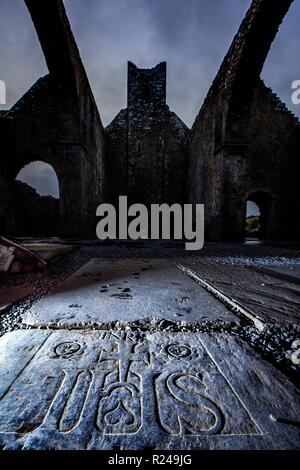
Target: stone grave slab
(128, 290)
(123, 390)
(48, 251)
(272, 300)
(290, 272)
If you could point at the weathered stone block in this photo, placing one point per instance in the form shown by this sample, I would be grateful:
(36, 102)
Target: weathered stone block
(108, 390)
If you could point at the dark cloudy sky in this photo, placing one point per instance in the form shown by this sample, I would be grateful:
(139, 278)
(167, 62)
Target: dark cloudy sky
(191, 35)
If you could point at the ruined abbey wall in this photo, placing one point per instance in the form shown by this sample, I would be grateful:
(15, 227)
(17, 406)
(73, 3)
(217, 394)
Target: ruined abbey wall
(57, 122)
(243, 145)
(273, 162)
(236, 122)
(35, 215)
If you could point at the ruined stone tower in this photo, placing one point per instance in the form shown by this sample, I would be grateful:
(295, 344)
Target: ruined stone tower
(147, 142)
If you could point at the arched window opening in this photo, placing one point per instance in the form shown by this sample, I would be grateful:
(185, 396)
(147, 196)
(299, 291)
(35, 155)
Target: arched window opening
(41, 177)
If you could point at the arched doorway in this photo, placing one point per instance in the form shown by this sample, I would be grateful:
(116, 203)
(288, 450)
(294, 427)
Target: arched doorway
(36, 201)
(259, 214)
(253, 215)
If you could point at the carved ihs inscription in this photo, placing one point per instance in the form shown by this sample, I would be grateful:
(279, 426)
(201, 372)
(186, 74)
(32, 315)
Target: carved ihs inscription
(118, 384)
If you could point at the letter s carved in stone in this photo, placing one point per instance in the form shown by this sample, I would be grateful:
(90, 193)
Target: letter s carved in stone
(183, 409)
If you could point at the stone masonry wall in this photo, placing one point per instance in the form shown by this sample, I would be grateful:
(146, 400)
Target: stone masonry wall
(147, 143)
(273, 164)
(35, 215)
(220, 142)
(243, 145)
(57, 121)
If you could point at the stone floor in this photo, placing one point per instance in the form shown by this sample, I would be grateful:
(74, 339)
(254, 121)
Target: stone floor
(129, 290)
(153, 352)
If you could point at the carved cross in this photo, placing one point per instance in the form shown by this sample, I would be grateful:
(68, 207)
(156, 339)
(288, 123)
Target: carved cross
(125, 356)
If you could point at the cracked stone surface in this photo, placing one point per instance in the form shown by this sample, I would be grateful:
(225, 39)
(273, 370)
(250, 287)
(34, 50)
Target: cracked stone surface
(49, 251)
(273, 300)
(127, 290)
(290, 272)
(124, 390)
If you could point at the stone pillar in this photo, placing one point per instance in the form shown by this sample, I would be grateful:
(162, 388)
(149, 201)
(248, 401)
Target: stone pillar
(70, 175)
(7, 216)
(213, 197)
(234, 165)
(146, 122)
